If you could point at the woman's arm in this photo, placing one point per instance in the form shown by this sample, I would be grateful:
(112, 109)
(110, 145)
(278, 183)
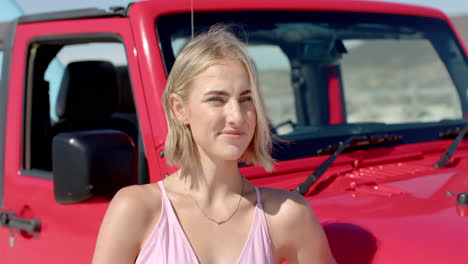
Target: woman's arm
(310, 244)
(123, 227)
(297, 234)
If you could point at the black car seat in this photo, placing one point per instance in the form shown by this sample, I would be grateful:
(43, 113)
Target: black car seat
(125, 104)
(88, 98)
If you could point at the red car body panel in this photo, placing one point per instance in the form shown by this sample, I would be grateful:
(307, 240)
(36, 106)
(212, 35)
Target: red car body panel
(39, 201)
(359, 204)
(363, 197)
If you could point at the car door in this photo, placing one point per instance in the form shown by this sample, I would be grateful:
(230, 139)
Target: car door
(58, 233)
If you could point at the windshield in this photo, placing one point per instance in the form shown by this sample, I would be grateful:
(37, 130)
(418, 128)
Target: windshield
(328, 75)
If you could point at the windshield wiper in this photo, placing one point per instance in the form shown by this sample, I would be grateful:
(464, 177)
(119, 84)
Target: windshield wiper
(353, 142)
(448, 154)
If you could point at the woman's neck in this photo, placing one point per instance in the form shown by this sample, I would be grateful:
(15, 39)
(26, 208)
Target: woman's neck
(213, 181)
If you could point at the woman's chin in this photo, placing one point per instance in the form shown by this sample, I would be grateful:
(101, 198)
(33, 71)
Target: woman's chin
(225, 152)
(231, 157)
(232, 153)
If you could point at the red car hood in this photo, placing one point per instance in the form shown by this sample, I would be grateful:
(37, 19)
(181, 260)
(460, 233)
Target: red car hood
(408, 224)
(402, 210)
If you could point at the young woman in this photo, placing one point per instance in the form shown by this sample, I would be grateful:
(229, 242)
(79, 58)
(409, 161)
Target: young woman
(207, 212)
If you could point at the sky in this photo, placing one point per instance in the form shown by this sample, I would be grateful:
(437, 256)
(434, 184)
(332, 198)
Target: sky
(451, 7)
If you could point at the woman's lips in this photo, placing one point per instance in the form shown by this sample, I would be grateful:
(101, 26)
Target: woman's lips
(232, 134)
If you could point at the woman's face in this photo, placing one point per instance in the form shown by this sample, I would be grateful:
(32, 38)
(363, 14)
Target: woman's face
(220, 111)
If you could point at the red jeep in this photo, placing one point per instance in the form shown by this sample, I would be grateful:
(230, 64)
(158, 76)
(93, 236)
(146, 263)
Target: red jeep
(371, 97)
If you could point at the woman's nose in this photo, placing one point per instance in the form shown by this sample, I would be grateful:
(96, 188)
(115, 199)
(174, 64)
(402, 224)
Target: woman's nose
(234, 113)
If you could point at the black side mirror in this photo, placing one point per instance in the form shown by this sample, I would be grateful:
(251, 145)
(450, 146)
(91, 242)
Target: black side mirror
(92, 163)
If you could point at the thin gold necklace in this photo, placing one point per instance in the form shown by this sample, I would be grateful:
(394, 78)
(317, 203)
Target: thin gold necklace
(233, 213)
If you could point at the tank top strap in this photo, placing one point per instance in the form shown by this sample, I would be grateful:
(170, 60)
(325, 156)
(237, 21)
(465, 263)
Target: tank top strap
(167, 210)
(259, 200)
(167, 242)
(258, 247)
(165, 198)
(163, 190)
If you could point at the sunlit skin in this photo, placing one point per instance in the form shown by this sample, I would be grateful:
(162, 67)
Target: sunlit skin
(221, 117)
(220, 112)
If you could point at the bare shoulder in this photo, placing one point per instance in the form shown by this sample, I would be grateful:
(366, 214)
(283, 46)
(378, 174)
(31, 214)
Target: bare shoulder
(295, 230)
(140, 199)
(137, 203)
(285, 204)
(126, 224)
(287, 212)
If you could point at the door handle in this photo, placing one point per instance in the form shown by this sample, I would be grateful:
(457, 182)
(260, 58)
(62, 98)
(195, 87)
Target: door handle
(9, 219)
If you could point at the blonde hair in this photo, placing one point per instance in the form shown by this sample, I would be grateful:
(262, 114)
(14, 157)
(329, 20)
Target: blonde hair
(200, 53)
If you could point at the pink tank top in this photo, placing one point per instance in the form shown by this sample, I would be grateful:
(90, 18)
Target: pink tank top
(168, 243)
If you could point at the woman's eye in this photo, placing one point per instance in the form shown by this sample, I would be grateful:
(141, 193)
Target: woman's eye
(246, 99)
(215, 99)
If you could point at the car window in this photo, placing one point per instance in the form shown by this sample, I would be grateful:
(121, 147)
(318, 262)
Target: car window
(114, 53)
(85, 86)
(274, 70)
(397, 81)
(326, 76)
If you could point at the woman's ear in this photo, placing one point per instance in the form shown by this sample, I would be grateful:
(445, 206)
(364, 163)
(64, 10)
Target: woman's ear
(178, 107)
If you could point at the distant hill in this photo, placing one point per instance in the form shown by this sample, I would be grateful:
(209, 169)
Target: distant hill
(400, 81)
(411, 53)
(384, 81)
